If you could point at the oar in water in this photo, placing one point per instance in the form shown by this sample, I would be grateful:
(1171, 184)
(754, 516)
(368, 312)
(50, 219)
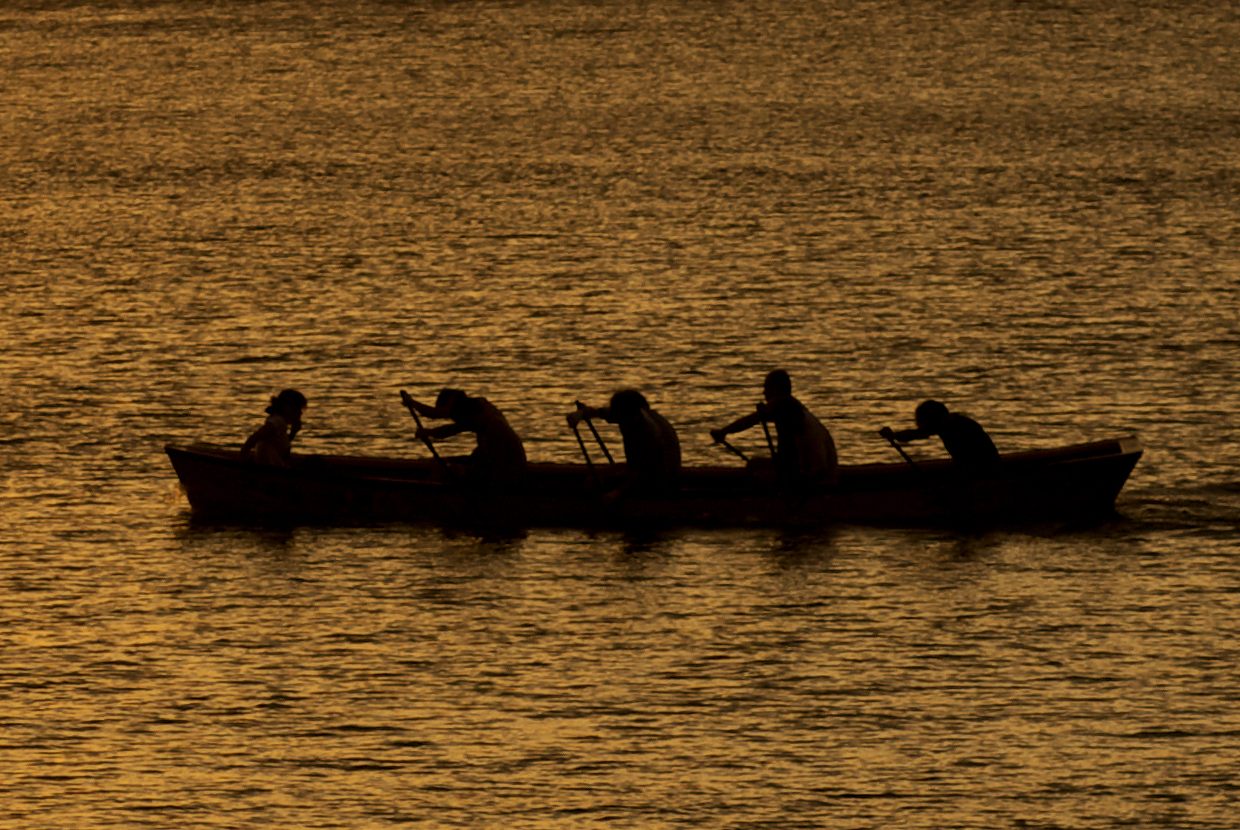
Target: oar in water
(582, 409)
(407, 400)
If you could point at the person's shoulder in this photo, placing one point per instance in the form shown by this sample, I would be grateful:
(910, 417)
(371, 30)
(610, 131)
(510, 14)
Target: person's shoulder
(963, 420)
(273, 425)
(482, 411)
(483, 404)
(787, 406)
(647, 421)
(659, 417)
(474, 405)
(805, 412)
(664, 425)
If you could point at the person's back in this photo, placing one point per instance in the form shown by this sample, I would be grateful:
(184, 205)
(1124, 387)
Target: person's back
(651, 446)
(970, 447)
(806, 452)
(805, 456)
(272, 443)
(499, 456)
(669, 442)
(651, 450)
(967, 443)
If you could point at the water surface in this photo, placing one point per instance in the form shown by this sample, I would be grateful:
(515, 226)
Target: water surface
(1027, 210)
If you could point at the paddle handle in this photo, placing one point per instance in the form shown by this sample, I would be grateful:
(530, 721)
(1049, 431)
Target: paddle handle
(407, 400)
(582, 409)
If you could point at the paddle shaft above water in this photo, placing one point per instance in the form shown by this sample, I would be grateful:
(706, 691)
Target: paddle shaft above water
(430, 445)
(900, 450)
(766, 430)
(723, 442)
(585, 453)
(581, 408)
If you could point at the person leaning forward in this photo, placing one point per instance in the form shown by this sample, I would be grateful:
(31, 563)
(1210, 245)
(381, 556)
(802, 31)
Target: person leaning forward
(651, 446)
(970, 448)
(499, 457)
(272, 443)
(804, 453)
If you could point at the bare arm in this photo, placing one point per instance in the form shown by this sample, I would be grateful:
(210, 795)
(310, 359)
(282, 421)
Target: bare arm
(740, 424)
(584, 412)
(440, 433)
(904, 435)
(423, 409)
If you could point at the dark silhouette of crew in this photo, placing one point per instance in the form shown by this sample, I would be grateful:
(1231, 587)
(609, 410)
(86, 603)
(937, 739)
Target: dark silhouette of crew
(651, 446)
(499, 457)
(272, 443)
(970, 448)
(804, 453)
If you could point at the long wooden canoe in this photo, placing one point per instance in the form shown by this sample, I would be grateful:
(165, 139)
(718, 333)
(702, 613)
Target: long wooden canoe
(1071, 483)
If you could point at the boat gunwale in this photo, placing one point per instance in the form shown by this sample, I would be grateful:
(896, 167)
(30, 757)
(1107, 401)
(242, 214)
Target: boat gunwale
(349, 464)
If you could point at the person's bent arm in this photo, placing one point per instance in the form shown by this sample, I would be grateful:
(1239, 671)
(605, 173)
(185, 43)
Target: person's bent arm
(583, 413)
(739, 425)
(424, 409)
(440, 433)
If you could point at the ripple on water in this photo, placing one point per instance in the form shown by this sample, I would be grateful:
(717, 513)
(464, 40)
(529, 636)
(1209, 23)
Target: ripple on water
(541, 204)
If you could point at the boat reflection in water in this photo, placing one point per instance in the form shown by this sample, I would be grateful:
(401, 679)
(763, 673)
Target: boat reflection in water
(1079, 482)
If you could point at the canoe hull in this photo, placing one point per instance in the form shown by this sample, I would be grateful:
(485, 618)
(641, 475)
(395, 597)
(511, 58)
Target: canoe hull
(1074, 483)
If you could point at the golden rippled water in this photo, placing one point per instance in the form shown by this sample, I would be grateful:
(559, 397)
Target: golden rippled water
(1028, 210)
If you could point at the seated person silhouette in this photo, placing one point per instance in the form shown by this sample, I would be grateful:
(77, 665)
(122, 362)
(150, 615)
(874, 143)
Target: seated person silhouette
(966, 442)
(651, 446)
(272, 443)
(804, 453)
(499, 457)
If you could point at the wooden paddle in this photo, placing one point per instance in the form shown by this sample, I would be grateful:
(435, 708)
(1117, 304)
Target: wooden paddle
(585, 453)
(766, 430)
(891, 439)
(582, 409)
(407, 400)
(723, 442)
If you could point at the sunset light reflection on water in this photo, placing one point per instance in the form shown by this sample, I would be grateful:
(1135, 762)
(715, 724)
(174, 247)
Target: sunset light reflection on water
(1029, 212)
